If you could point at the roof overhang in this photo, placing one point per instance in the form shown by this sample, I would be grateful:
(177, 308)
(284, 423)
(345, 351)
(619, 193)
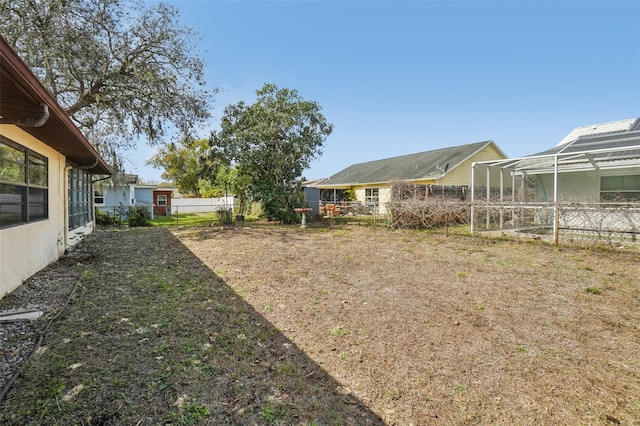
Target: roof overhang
(348, 185)
(22, 96)
(612, 152)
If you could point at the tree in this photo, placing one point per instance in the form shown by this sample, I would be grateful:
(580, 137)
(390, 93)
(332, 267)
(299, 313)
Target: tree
(272, 141)
(233, 181)
(121, 69)
(182, 164)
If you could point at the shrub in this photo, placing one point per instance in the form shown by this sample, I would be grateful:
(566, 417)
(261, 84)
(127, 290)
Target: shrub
(105, 219)
(139, 216)
(224, 217)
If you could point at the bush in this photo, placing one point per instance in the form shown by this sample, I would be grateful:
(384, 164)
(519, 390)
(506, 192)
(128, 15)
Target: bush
(139, 216)
(278, 202)
(105, 219)
(224, 217)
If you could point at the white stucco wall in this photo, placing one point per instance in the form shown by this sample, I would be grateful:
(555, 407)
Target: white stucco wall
(25, 249)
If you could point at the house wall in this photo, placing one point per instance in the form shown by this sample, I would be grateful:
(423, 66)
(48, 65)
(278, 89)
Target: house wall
(584, 187)
(384, 195)
(127, 195)
(118, 195)
(74, 236)
(572, 187)
(143, 195)
(384, 198)
(25, 249)
(165, 209)
(461, 174)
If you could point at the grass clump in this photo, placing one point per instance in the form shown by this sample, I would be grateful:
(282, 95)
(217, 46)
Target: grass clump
(272, 412)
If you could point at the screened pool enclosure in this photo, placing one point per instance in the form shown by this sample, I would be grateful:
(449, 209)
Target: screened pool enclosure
(586, 187)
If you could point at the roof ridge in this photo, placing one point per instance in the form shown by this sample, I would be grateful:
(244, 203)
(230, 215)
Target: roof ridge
(426, 152)
(606, 123)
(619, 126)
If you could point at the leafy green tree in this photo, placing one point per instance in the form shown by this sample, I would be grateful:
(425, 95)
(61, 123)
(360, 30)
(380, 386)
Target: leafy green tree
(121, 69)
(271, 142)
(182, 164)
(235, 182)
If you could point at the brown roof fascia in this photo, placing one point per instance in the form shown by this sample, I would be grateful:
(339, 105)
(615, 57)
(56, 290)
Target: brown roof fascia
(33, 89)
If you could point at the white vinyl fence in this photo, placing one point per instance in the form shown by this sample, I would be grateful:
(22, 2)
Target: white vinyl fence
(201, 205)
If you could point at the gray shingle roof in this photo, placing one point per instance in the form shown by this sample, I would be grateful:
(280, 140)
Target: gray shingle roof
(423, 165)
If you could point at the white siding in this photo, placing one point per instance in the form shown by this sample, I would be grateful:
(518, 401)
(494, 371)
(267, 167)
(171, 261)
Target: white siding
(461, 174)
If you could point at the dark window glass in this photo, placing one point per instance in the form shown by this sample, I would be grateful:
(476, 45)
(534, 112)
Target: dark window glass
(12, 205)
(620, 188)
(12, 162)
(37, 171)
(23, 185)
(38, 204)
(80, 208)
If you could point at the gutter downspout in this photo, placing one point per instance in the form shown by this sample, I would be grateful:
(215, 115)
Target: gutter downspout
(29, 121)
(556, 210)
(488, 197)
(66, 205)
(473, 191)
(91, 166)
(101, 179)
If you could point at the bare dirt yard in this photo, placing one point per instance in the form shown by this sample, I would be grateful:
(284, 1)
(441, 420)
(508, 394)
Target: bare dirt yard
(336, 325)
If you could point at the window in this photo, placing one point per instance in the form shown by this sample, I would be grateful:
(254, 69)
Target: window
(80, 198)
(162, 199)
(24, 177)
(371, 195)
(98, 197)
(620, 188)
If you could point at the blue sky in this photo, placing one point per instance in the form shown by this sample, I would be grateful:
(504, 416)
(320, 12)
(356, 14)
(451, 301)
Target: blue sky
(400, 77)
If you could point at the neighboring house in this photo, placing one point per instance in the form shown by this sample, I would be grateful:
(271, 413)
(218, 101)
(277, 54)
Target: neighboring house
(122, 192)
(47, 168)
(117, 195)
(371, 181)
(162, 202)
(598, 163)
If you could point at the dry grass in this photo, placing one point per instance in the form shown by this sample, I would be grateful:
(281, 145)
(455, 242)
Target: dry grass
(343, 325)
(425, 329)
